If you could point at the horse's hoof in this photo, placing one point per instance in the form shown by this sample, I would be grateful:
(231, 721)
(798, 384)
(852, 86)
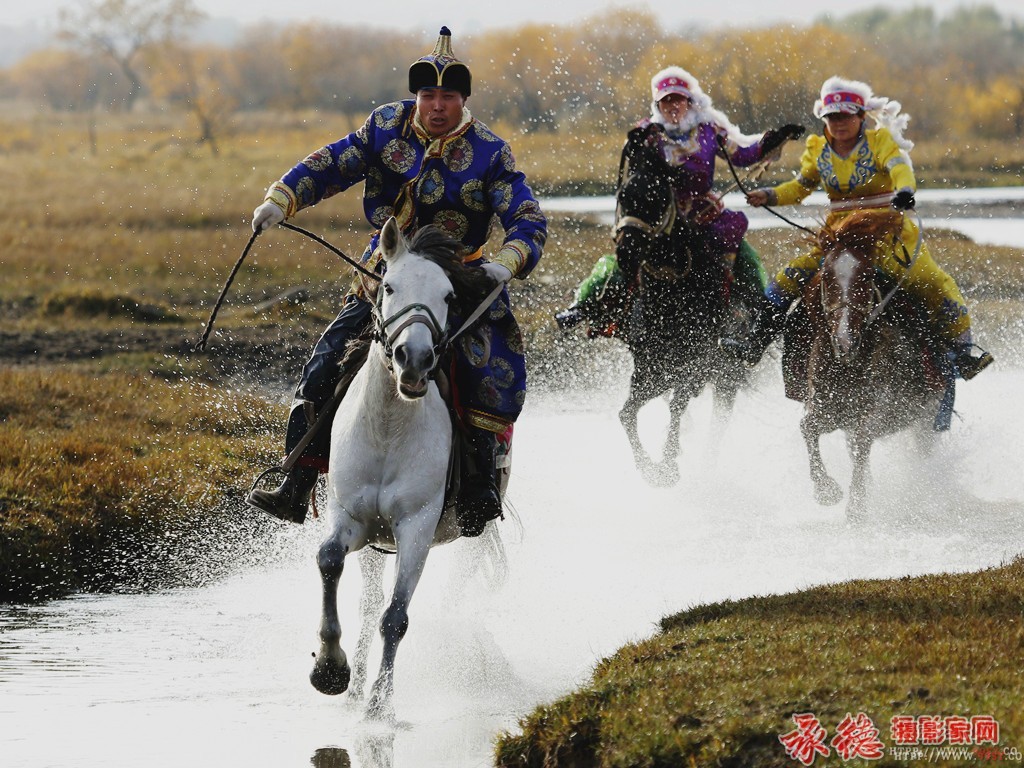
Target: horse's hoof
(663, 475)
(828, 493)
(380, 708)
(329, 677)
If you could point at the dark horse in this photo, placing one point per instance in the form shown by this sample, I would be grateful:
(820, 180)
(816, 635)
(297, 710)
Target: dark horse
(869, 374)
(678, 309)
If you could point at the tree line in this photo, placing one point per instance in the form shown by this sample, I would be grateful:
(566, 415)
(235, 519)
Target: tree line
(961, 76)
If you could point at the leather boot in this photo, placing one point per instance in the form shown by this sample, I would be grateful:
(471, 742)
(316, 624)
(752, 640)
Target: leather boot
(967, 365)
(290, 500)
(768, 324)
(479, 501)
(569, 318)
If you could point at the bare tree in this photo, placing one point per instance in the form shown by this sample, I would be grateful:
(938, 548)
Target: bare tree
(122, 29)
(199, 80)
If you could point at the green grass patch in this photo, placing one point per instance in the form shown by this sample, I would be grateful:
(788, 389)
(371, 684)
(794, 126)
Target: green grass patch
(720, 683)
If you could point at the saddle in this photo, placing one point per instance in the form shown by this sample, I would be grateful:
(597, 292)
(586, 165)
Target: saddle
(356, 354)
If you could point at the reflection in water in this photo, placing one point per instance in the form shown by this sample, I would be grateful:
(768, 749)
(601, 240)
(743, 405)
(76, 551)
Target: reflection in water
(330, 757)
(373, 750)
(376, 750)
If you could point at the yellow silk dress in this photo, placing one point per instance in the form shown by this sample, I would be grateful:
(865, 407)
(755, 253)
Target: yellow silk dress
(867, 178)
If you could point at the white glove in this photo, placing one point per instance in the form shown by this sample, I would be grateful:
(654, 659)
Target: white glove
(499, 273)
(266, 216)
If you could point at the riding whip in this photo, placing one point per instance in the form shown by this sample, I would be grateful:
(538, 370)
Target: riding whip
(201, 345)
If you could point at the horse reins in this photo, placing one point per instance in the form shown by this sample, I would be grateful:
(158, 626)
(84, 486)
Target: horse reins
(442, 341)
(883, 303)
(201, 345)
(739, 185)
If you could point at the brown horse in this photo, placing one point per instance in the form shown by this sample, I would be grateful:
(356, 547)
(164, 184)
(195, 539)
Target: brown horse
(868, 374)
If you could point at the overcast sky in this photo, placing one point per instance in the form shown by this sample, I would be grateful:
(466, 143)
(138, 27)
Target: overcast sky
(465, 16)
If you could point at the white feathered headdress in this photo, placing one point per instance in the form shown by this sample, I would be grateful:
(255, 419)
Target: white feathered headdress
(839, 95)
(678, 80)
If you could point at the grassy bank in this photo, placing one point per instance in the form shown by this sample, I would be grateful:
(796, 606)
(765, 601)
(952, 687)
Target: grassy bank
(103, 477)
(719, 684)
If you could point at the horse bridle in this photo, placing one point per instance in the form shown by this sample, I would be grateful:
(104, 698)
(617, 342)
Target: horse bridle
(663, 227)
(440, 336)
(881, 302)
(414, 313)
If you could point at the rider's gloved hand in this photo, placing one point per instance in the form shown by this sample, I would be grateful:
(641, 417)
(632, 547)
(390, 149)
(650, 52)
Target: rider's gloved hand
(499, 273)
(761, 196)
(903, 200)
(776, 137)
(266, 216)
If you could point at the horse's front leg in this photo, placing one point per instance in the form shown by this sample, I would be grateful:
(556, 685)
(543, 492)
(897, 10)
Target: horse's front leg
(669, 470)
(628, 418)
(371, 565)
(639, 395)
(331, 672)
(859, 446)
(413, 539)
(826, 490)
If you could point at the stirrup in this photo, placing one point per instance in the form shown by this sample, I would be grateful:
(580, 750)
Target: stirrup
(288, 502)
(568, 318)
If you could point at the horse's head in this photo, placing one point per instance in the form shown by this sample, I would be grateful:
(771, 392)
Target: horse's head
(424, 284)
(644, 196)
(844, 290)
(413, 301)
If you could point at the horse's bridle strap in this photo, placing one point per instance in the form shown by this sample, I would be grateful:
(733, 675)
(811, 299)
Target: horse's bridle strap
(637, 223)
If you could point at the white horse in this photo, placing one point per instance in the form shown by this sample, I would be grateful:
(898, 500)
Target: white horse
(391, 444)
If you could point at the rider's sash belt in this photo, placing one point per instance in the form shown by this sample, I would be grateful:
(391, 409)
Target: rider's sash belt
(875, 201)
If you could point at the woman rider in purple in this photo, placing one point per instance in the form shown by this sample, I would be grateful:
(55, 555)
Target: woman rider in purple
(689, 133)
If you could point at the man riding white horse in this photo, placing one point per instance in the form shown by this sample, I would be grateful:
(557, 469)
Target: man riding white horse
(423, 161)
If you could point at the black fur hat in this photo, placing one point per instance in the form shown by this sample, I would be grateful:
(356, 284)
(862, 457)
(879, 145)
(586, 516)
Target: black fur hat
(440, 68)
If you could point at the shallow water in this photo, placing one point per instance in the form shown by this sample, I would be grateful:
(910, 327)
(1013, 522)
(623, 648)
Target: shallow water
(218, 676)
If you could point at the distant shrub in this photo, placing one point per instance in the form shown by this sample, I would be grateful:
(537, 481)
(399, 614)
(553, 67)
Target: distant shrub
(92, 303)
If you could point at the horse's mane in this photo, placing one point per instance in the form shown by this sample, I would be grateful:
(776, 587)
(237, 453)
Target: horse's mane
(470, 283)
(860, 231)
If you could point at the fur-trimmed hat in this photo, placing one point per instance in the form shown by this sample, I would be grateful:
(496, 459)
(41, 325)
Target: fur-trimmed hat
(678, 80)
(853, 97)
(673, 80)
(440, 68)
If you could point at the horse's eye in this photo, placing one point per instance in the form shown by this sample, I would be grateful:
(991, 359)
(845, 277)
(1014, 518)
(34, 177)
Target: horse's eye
(450, 298)
(387, 288)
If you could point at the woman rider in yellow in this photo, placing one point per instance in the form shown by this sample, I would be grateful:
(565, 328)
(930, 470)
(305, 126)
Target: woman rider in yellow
(861, 169)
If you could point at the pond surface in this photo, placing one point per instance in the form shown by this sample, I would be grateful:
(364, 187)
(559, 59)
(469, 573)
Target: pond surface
(989, 215)
(217, 676)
